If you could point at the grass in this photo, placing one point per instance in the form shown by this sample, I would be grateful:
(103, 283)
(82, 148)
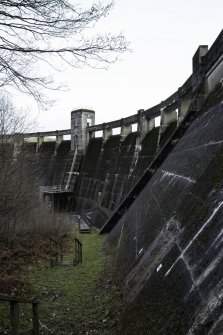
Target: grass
(74, 300)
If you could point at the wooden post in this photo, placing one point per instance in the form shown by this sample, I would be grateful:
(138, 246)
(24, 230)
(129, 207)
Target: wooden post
(35, 319)
(77, 251)
(14, 316)
(80, 252)
(61, 252)
(75, 248)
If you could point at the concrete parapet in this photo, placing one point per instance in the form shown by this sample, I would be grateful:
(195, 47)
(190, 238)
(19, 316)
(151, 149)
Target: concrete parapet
(153, 111)
(48, 133)
(170, 101)
(215, 53)
(207, 67)
(199, 66)
(215, 74)
(128, 121)
(214, 63)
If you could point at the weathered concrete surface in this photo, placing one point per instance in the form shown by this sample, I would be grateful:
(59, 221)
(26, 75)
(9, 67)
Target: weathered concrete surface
(63, 161)
(45, 163)
(168, 246)
(110, 169)
(52, 163)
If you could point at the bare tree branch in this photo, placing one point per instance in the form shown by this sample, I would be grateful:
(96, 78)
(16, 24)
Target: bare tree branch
(34, 30)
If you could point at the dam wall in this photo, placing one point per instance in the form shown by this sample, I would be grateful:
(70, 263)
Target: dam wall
(63, 161)
(46, 162)
(51, 162)
(111, 168)
(166, 235)
(168, 245)
(103, 170)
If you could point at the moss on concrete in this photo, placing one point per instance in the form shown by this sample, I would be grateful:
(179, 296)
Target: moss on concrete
(167, 134)
(215, 97)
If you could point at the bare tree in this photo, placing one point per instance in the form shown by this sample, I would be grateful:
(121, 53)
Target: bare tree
(22, 213)
(15, 195)
(11, 120)
(38, 30)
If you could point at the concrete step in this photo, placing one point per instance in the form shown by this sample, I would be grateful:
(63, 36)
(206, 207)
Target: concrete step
(84, 227)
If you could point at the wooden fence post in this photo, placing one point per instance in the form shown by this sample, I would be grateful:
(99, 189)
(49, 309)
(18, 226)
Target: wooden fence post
(80, 246)
(14, 316)
(75, 248)
(78, 251)
(35, 318)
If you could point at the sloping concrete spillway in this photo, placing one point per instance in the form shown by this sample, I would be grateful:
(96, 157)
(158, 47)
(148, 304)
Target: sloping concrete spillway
(50, 164)
(169, 244)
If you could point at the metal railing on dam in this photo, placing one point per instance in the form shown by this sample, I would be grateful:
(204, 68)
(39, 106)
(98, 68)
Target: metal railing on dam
(171, 103)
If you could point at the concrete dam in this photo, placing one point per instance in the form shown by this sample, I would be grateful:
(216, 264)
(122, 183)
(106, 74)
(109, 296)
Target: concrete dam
(157, 192)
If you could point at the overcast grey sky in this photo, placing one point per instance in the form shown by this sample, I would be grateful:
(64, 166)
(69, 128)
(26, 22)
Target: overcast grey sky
(164, 35)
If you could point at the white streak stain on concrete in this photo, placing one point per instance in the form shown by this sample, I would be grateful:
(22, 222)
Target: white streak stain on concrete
(213, 300)
(157, 202)
(217, 245)
(215, 240)
(120, 238)
(166, 173)
(151, 259)
(194, 238)
(211, 266)
(211, 143)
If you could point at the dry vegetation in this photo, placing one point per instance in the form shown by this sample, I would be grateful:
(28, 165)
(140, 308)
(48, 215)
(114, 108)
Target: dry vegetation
(26, 223)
